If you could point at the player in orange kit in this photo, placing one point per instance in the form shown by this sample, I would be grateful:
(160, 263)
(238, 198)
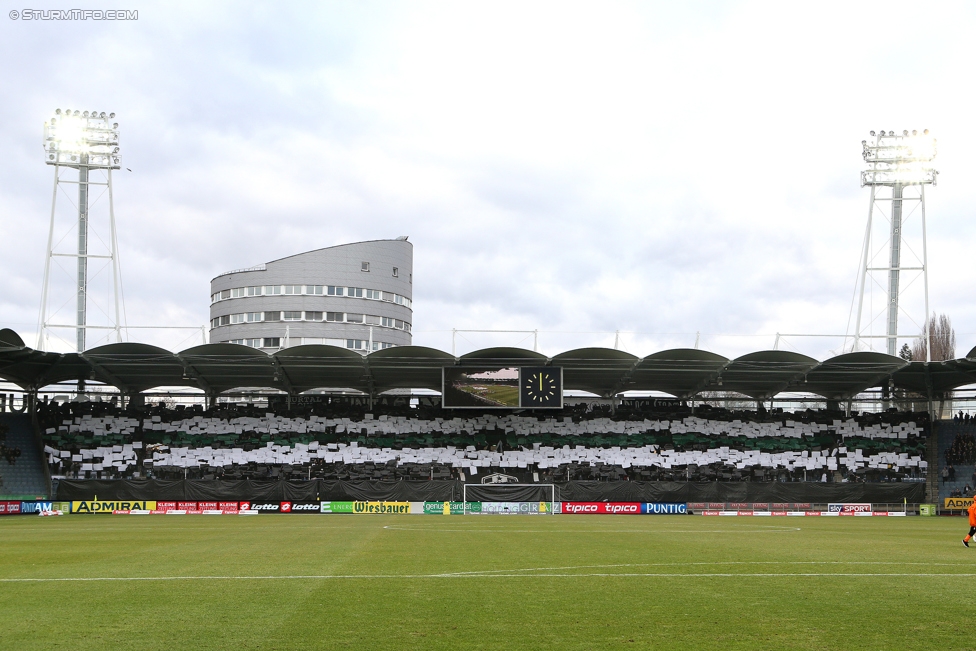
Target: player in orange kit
(972, 523)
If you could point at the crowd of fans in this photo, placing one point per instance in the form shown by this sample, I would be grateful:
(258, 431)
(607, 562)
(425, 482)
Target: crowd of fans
(7, 452)
(349, 441)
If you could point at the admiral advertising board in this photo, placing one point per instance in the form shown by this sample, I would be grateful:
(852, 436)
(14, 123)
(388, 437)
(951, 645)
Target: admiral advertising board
(958, 503)
(112, 506)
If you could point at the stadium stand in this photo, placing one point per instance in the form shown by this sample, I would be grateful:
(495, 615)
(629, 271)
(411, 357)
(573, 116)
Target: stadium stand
(21, 466)
(957, 455)
(341, 442)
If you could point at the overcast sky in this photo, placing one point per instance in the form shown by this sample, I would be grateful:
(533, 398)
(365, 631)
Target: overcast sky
(662, 169)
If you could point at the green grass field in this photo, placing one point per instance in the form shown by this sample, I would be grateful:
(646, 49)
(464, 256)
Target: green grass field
(498, 394)
(488, 582)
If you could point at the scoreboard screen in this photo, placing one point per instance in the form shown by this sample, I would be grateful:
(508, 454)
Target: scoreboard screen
(512, 387)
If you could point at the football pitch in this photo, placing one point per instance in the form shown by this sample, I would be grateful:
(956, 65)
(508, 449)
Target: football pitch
(484, 582)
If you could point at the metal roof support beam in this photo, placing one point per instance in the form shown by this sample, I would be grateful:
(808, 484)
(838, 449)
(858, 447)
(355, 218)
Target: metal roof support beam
(625, 378)
(101, 370)
(707, 381)
(190, 372)
(42, 378)
(282, 376)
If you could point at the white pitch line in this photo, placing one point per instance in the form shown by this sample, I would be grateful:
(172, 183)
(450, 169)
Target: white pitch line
(699, 564)
(318, 577)
(771, 529)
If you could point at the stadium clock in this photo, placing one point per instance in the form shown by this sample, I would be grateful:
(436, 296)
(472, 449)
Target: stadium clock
(541, 387)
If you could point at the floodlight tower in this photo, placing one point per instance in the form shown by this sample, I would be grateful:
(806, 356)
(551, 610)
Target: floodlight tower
(85, 141)
(899, 168)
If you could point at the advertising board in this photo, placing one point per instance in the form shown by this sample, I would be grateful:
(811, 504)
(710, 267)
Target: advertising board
(602, 508)
(381, 507)
(305, 507)
(655, 508)
(335, 507)
(848, 508)
(9, 508)
(515, 508)
(35, 507)
(958, 503)
(108, 506)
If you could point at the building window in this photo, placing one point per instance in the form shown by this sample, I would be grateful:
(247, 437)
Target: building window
(293, 289)
(272, 316)
(272, 289)
(396, 272)
(365, 266)
(333, 316)
(254, 317)
(237, 318)
(373, 294)
(373, 320)
(253, 343)
(313, 316)
(355, 292)
(336, 291)
(293, 316)
(272, 342)
(354, 318)
(314, 289)
(355, 344)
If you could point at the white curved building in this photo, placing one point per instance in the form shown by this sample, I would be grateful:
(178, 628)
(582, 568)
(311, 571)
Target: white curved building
(355, 296)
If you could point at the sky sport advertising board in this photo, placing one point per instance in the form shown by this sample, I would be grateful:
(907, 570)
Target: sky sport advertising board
(848, 508)
(513, 387)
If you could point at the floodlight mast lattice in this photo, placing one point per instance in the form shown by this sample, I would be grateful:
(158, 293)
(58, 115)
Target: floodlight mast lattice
(85, 141)
(896, 163)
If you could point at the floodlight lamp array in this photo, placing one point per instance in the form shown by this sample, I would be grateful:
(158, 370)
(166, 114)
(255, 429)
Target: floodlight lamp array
(899, 159)
(82, 139)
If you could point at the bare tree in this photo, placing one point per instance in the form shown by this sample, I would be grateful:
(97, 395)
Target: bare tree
(943, 339)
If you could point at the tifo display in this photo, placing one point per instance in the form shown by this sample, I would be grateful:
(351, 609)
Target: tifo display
(336, 442)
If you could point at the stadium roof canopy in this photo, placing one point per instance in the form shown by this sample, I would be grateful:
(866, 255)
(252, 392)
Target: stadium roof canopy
(682, 372)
